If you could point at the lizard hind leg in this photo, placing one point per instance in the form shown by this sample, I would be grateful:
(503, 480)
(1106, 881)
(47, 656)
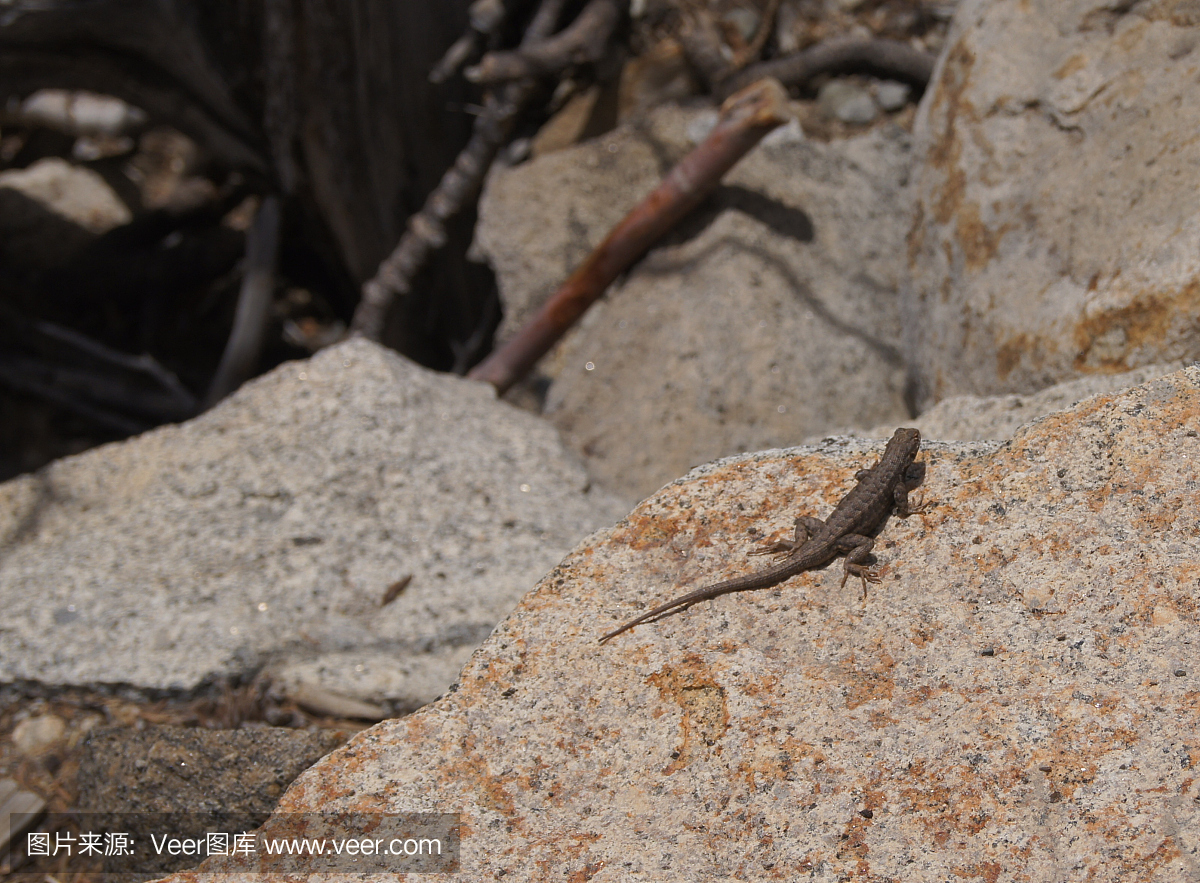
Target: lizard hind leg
(806, 526)
(858, 553)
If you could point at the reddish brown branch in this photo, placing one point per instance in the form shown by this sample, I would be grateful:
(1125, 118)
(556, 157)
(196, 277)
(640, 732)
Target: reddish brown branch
(889, 58)
(745, 119)
(583, 42)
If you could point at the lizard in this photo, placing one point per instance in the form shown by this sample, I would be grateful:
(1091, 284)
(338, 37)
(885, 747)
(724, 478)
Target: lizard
(847, 531)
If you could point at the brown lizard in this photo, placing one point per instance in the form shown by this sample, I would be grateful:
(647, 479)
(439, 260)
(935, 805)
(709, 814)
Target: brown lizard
(846, 531)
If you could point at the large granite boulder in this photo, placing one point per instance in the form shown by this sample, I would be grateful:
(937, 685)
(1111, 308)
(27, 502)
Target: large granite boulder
(1056, 231)
(771, 315)
(270, 532)
(1016, 700)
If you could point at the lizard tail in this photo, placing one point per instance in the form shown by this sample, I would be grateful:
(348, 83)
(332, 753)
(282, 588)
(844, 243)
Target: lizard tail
(677, 604)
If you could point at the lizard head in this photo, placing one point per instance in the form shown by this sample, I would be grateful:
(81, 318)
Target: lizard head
(908, 440)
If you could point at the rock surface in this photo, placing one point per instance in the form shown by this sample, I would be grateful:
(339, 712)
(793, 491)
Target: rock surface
(213, 779)
(976, 418)
(194, 770)
(848, 102)
(34, 735)
(267, 532)
(1056, 231)
(50, 210)
(1017, 700)
(20, 809)
(80, 113)
(770, 316)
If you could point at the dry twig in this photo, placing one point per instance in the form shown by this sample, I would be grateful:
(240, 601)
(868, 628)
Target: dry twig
(484, 17)
(745, 118)
(112, 389)
(765, 26)
(46, 381)
(426, 229)
(889, 58)
(176, 401)
(702, 47)
(583, 42)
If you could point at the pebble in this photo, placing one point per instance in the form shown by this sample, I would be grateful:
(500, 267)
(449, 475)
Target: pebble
(891, 96)
(36, 734)
(19, 809)
(847, 102)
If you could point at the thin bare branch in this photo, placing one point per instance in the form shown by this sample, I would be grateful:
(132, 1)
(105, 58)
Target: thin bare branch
(765, 26)
(178, 400)
(107, 386)
(745, 118)
(460, 50)
(484, 17)
(544, 21)
(583, 42)
(702, 47)
(889, 58)
(44, 382)
(426, 229)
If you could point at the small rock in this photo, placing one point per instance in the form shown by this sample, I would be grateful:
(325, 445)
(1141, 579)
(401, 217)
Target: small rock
(568, 125)
(333, 704)
(792, 132)
(268, 528)
(847, 102)
(78, 195)
(18, 809)
(892, 96)
(1018, 280)
(51, 210)
(36, 735)
(80, 113)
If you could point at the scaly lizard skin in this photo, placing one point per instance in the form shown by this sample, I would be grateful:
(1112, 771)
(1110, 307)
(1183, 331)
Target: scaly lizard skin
(846, 531)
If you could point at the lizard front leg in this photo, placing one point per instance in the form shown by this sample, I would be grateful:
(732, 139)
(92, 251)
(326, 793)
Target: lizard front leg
(858, 552)
(913, 476)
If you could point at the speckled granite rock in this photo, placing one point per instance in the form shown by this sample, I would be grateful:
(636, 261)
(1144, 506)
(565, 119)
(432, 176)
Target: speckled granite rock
(212, 780)
(976, 418)
(768, 316)
(51, 210)
(1056, 232)
(193, 770)
(267, 532)
(1017, 700)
